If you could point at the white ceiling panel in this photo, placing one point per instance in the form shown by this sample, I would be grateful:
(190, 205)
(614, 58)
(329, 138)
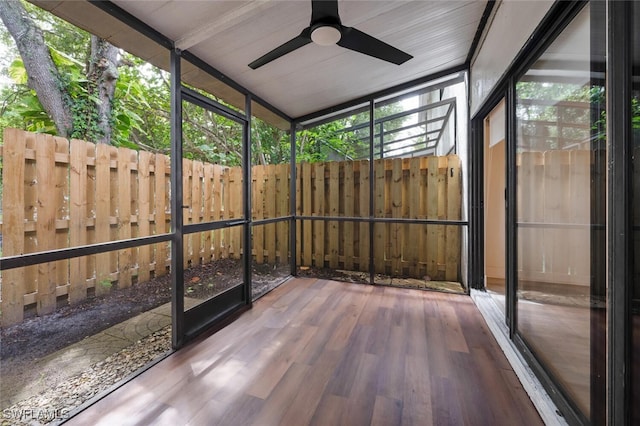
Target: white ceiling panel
(228, 35)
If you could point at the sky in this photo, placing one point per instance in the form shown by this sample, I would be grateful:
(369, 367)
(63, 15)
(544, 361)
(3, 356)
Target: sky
(7, 54)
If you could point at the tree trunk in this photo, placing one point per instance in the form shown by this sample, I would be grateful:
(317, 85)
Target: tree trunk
(103, 72)
(43, 74)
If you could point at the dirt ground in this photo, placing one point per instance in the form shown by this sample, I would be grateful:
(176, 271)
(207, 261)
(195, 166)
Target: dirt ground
(363, 278)
(37, 337)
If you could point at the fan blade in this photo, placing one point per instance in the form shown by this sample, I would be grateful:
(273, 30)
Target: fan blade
(295, 43)
(325, 11)
(360, 42)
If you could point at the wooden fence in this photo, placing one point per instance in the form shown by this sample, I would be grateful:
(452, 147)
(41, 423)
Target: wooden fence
(59, 193)
(414, 188)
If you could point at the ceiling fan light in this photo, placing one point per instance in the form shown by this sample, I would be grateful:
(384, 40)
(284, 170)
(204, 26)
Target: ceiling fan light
(326, 35)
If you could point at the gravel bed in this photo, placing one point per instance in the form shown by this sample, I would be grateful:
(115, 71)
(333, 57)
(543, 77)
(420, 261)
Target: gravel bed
(56, 403)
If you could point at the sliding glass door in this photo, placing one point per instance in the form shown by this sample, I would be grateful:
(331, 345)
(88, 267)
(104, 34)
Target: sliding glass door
(560, 187)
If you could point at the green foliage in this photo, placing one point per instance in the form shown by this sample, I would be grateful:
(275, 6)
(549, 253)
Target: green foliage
(328, 142)
(270, 145)
(106, 284)
(141, 108)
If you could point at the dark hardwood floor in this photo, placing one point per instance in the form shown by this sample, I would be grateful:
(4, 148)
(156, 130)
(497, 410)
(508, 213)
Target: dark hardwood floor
(328, 353)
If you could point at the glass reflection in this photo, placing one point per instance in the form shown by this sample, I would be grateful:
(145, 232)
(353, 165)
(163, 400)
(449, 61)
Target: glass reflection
(494, 204)
(559, 182)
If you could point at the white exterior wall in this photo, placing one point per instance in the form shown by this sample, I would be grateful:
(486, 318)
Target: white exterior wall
(512, 24)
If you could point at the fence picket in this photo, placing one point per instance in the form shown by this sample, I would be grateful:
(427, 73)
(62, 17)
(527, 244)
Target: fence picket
(13, 208)
(432, 213)
(196, 210)
(46, 222)
(413, 243)
(235, 232)
(270, 210)
(61, 202)
(124, 215)
(298, 211)
(319, 210)
(207, 210)
(78, 219)
(307, 209)
(143, 212)
(217, 210)
(282, 176)
(258, 213)
(113, 194)
(364, 197)
(334, 210)
(160, 216)
(379, 246)
(186, 211)
(442, 214)
(102, 219)
(113, 215)
(348, 242)
(396, 234)
(453, 199)
(30, 211)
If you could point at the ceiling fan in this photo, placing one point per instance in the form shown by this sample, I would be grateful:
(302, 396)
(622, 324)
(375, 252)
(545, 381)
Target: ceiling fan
(326, 29)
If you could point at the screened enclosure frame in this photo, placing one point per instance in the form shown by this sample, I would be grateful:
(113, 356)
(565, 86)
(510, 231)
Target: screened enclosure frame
(180, 93)
(611, 383)
(437, 81)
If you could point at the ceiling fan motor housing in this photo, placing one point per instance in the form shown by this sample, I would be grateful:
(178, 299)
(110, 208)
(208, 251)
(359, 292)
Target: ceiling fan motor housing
(325, 35)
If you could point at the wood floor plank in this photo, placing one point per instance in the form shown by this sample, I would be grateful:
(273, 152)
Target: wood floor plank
(453, 333)
(446, 403)
(282, 396)
(345, 373)
(242, 411)
(327, 353)
(437, 353)
(284, 350)
(391, 375)
(304, 405)
(417, 408)
(329, 411)
(362, 396)
(386, 412)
